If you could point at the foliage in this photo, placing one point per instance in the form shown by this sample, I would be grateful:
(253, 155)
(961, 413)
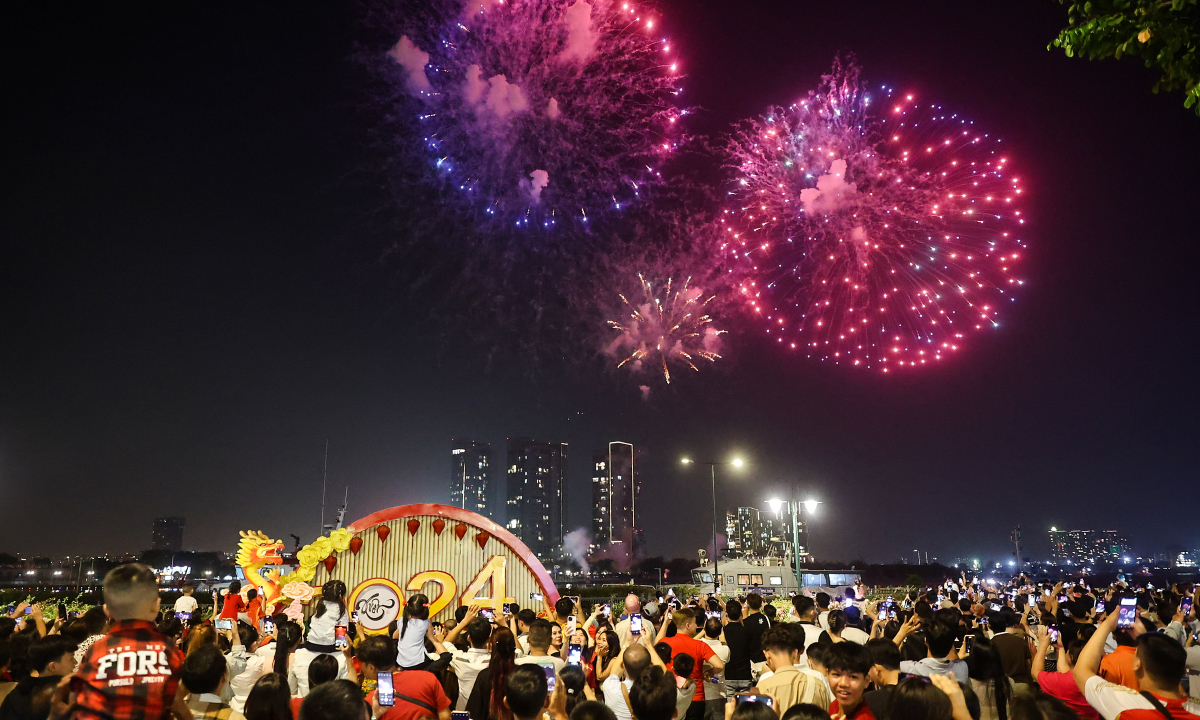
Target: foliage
(1163, 33)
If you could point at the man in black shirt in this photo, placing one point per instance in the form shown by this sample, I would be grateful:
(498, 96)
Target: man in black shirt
(756, 624)
(737, 638)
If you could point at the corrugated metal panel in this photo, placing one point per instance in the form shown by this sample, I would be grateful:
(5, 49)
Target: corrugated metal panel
(403, 555)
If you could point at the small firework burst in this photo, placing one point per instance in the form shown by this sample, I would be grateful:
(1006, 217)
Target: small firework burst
(661, 330)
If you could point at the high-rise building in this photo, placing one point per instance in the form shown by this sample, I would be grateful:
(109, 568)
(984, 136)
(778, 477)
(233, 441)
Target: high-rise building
(537, 474)
(1087, 546)
(743, 532)
(469, 472)
(777, 536)
(615, 490)
(167, 534)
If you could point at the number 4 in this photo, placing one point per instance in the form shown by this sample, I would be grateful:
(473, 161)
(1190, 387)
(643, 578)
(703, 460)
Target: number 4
(493, 570)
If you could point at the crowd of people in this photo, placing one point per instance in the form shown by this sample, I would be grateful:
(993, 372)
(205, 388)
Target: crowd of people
(966, 650)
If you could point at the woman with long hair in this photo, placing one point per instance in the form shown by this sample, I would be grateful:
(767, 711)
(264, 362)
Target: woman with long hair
(269, 699)
(487, 696)
(574, 686)
(201, 636)
(288, 637)
(410, 636)
(988, 680)
(607, 649)
(837, 623)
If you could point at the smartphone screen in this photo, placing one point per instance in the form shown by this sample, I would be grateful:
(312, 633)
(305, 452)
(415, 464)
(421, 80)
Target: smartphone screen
(340, 640)
(387, 695)
(535, 596)
(460, 715)
(968, 643)
(1127, 613)
(1053, 635)
(574, 654)
(1185, 606)
(607, 610)
(892, 614)
(29, 610)
(1099, 606)
(185, 616)
(756, 698)
(354, 616)
(635, 623)
(488, 614)
(549, 678)
(268, 626)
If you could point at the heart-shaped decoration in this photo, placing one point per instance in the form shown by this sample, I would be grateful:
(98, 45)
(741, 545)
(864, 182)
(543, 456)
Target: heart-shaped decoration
(355, 544)
(438, 526)
(413, 526)
(330, 563)
(460, 530)
(383, 531)
(482, 538)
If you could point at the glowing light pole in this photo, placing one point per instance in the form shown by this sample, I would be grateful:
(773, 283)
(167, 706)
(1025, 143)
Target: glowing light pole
(794, 507)
(712, 466)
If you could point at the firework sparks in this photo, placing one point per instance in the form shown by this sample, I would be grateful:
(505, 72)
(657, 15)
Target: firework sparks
(872, 230)
(535, 114)
(659, 332)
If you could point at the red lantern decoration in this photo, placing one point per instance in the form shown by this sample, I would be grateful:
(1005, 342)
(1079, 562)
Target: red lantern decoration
(482, 538)
(383, 531)
(438, 526)
(413, 526)
(460, 530)
(355, 544)
(330, 563)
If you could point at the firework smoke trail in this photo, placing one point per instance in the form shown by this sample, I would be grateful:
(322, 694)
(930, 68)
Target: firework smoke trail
(870, 229)
(664, 330)
(533, 113)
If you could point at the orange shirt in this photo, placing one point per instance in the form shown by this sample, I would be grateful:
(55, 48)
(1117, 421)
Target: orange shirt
(254, 610)
(1117, 667)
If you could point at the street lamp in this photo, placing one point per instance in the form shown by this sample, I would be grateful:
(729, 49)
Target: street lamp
(712, 466)
(794, 508)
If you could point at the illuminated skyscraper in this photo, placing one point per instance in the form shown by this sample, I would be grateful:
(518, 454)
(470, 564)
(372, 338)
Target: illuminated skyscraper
(743, 532)
(469, 472)
(615, 495)
(167, 534)
(537, 474)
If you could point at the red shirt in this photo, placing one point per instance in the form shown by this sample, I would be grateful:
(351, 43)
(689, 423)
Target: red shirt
(699, 651)
(417, 684)
(233, 605)
(862, 712)
(255, 610)
(132, 673)
(1062, 686)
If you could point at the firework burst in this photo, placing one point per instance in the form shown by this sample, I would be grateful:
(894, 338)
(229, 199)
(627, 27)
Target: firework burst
(665, 330)
(533, 114)
(870, 229)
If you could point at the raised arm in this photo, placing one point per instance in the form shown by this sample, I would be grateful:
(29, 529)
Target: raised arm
(1089, 658)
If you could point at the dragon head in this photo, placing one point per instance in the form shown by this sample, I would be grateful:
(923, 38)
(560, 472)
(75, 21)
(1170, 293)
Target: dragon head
(255, 548)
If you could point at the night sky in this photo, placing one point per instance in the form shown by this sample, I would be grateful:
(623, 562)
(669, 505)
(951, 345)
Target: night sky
(194, 297)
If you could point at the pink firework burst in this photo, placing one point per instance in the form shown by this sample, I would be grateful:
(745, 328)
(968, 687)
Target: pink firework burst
(870, 229)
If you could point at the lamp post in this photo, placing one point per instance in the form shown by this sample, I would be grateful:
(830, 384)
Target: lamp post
(794, 508)
(712, 466)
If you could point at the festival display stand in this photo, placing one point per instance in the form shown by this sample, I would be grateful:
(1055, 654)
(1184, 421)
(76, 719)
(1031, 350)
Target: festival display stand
(453, 556)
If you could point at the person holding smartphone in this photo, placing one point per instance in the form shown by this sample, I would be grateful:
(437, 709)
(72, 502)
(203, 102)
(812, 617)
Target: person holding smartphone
(1161, 665)
(414, 693)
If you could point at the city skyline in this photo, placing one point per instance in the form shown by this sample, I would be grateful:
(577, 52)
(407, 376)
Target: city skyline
(209, 275)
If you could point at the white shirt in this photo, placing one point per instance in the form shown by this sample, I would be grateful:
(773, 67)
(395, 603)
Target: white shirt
(812, 633)
(467, 666)
(823, 620)
(410, 648)
(244, 670)
(321, 629)
(186, 604)
(712, 690)
(523, 644)
(855, 635)
(298, 669)
(614, 698)
(1111, 700)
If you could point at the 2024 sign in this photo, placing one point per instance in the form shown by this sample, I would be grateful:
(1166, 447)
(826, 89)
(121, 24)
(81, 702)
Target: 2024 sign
(379, 601)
